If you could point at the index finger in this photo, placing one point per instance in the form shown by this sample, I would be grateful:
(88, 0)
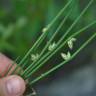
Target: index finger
(5, 64)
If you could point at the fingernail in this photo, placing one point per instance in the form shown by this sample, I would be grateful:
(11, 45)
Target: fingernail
(13, 86)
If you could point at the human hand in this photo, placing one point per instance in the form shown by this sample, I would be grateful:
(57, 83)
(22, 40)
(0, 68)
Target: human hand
(10, 85)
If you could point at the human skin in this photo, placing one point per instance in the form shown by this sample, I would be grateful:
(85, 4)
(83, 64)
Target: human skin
(11, 85)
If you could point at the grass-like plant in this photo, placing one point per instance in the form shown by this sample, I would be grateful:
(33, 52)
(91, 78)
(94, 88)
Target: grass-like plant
(26, 71)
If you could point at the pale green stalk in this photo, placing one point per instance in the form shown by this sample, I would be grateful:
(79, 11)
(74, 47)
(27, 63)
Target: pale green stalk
(70, 28)
(41, 38)
(38, 42)
(58, 15)
(64, 62)
(22, 67)
(48, 43)
(14, 62)
(75, 22)
(44, 60)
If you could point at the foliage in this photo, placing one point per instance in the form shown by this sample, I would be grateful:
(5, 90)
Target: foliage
(24, 25)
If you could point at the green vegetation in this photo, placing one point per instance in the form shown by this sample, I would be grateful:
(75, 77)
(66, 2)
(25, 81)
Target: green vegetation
(58, 38)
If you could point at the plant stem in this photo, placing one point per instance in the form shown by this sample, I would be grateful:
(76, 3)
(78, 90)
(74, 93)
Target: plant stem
(38, 42)
(70, 28)
(14, 62)
(58, 15)
(75, 22)
(49, 42)
(40, 63)
(41, 38)
(64, 62)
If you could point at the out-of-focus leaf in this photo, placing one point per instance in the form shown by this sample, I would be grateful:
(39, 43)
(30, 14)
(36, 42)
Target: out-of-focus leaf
(21, 22)
(8, 31)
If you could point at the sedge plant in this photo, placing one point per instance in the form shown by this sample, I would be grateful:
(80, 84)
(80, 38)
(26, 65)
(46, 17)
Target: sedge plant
(52, 47)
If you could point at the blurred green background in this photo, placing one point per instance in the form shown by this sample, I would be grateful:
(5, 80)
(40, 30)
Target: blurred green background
(21, 22)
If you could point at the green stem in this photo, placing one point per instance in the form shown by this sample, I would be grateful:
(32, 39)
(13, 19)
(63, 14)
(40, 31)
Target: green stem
(41, 38)
(38, 42)
(20, 71)
(14, 62)
(64, 62)
(43, 60)
(49, 42)
(74, 23)
(58, 15)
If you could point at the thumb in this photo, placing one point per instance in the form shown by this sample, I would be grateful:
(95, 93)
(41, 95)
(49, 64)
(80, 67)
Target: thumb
(12, 86)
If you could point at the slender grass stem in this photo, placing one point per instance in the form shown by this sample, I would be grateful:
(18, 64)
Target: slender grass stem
(74, 23)
(25, 63)
(56, 32)
(64, 62)
(22, 67)
(12, 65)
(43, 60)
(38, 42)
(57, 16)
(49, 42)
(41, 38)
